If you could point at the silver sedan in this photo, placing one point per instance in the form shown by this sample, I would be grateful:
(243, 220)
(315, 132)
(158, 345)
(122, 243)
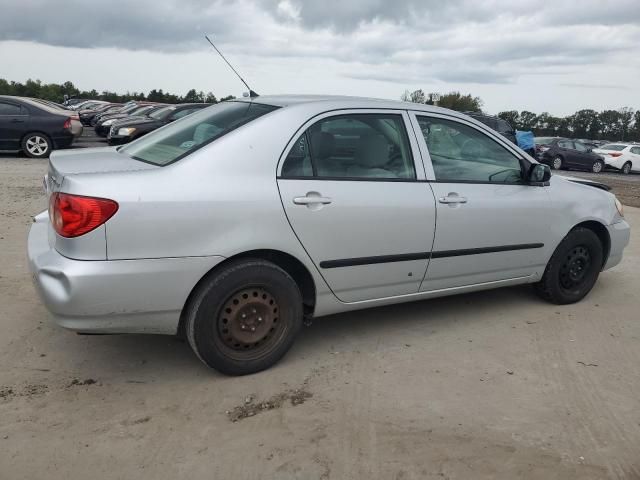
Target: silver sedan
(237, 224)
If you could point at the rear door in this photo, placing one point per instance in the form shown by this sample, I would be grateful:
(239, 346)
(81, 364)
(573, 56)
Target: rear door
(353, 189)
(14, 119)
(491, 225)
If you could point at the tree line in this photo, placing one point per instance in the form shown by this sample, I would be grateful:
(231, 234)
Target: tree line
(622, 124)
(55, 92)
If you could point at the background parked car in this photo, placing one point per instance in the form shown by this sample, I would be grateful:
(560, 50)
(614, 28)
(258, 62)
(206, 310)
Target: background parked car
(104, 124)
(86, 115)
(34, 127)
(564, 153)
(621, 156)
(130, 128)
(498, 124)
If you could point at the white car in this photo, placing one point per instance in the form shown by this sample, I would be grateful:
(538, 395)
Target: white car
(621, 156)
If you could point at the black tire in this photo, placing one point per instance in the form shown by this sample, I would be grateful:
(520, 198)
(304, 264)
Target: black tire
(216, 327)
(573, 268)
(556, 162)
(626, 168)
(597, 166)
(36, 145)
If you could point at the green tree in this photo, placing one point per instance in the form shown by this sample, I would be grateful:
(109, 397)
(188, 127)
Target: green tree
(511, 116)
(459, 102)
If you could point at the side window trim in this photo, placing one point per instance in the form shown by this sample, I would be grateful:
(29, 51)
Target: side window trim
(493, 135)
(418, 165)
(426, 157)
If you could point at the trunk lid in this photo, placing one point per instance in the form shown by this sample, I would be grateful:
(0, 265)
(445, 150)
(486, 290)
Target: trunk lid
(64, 163)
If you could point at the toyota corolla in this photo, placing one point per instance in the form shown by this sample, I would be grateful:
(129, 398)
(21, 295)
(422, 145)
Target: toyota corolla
(236, 225)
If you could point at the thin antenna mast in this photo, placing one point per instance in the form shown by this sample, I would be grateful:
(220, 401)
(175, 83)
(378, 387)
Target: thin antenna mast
(252, 94)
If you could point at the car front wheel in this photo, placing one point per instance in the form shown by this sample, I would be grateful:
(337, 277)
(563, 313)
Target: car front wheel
(597, 166)
(573, 268)
(36, 145)
(244, 317)
(556, 163)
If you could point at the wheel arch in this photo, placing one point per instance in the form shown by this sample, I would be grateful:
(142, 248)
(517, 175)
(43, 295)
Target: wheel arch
(603, 234)
(38, 132)
(286, 261)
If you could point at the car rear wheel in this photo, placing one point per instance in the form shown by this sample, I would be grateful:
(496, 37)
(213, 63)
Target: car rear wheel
(597, 166)
(36, 145)
(573, 269)
(245, 317)
(556, 163)
(626, 168)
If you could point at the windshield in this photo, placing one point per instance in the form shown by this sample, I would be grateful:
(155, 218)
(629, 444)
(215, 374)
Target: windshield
(162, 113)
(141, 110)
(180, 138)
(543, 140)
(614, 147)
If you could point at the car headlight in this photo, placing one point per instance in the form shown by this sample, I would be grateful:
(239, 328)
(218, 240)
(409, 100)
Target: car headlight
(108, 122)
(126, 131)
(619, 207)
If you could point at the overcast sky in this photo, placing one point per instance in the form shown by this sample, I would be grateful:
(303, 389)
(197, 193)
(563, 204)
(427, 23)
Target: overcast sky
(556, 56)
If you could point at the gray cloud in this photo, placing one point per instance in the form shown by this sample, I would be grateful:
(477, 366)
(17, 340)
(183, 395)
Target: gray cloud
(408, 42)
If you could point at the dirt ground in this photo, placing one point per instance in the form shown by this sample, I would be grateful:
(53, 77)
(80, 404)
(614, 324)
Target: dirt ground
(481, 386)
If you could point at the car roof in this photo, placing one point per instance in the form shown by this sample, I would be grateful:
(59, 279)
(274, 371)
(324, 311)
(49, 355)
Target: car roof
(342, 102)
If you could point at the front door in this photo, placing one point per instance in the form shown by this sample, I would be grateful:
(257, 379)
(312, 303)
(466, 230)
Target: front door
(491, 225)
(353, 189)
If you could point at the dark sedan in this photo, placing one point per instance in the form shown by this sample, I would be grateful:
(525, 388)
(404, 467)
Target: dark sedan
(564, 153)
(130, 128)
(104, 124)
(34, 127)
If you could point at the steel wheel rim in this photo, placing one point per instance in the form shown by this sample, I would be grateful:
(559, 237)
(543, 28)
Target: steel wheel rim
(626, 168)
(597, 167)
(557, 163)
(37, 145)
(575, 268)
(249, 322)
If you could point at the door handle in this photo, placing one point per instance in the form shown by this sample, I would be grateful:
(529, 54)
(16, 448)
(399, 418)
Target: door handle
(16, 120)
(452, 199)
(311, 200)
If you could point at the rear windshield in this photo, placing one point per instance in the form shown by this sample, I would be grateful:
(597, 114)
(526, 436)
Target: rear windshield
(180, 138)
(543, 140)
(613, 146)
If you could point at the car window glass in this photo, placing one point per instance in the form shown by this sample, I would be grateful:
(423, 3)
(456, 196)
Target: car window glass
(10, 109)
(182, 113)
(636, 150)
(359, 146)
(565, 144)
(580, 147)
(187, 135)
(462, 153)
(504, 127)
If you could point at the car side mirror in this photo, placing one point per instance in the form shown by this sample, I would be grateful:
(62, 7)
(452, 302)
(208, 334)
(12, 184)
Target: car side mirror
(539, 174)
(589, 150)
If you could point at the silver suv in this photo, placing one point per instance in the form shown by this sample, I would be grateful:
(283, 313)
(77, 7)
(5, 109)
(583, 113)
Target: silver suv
(235, 224)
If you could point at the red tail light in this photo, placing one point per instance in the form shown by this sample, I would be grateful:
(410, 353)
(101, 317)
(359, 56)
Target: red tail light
(67, 124)
(616, 154)
(75, 215)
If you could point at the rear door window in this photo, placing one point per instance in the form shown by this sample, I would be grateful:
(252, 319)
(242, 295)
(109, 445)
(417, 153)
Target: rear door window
(11, 109)
(354, 146)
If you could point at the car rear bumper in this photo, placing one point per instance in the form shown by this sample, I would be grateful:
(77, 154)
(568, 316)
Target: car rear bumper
(614, 162)
(123, 296)
(619, 233)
